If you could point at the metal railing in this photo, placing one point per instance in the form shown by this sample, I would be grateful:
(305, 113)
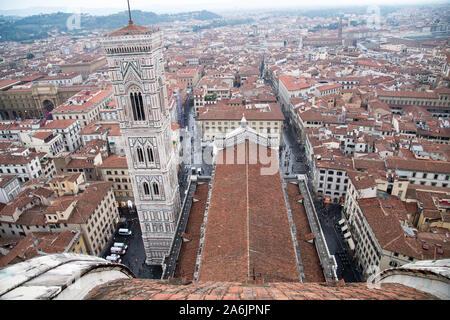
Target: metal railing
(203, 227)
(294, 235)
(170, 261)
(327, 261)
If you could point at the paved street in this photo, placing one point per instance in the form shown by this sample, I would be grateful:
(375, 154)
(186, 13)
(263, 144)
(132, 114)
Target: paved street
(337, 245)
(194, 153)
(134, 258)
(291, 160)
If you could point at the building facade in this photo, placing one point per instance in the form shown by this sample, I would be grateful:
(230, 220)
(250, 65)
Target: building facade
(85, 106)
(115, 169)
(9, 188)
(136, 67)
(24, 164)
(70, 131)
(32, 100)
(221, 119)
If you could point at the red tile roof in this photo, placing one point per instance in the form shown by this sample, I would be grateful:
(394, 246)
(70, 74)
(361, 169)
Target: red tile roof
(310, 259)
(418, 165)
(212, 112)
(87, 101)
(329, 87)
(59, 124)
(42, 135)
(39, 243)
(293, 84)
(188, 253)
(146, 289)
(247, 231)
(130, 29)
(115, 161)
(407, 94)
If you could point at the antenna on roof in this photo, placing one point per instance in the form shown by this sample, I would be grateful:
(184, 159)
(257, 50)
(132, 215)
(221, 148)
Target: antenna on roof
(129, 12)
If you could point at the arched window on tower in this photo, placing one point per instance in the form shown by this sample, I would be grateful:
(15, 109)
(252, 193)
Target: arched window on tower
(137, 104)
(155, 189)
(146, 188)
(150, 155)
(140, 154)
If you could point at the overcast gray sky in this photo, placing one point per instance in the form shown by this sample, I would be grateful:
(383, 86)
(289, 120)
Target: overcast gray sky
(188, 5)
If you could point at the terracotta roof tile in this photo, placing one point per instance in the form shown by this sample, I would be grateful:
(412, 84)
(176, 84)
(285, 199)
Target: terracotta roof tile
(188, 253)
(244, 232)
(310, 259)
(127, 289)
(130, 29)
(115, 161)
(220, 112)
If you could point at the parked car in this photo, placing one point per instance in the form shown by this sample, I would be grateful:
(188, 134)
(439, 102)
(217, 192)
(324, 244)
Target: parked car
(124, 232)
(120, 245)
(114, 258)
(117, 250)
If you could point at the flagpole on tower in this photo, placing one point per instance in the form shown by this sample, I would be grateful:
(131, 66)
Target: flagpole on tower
(129, 12)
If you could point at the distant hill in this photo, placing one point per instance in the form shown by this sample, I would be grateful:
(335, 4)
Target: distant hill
(39, 26)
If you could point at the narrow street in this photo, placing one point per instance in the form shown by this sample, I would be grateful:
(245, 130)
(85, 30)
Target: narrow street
(193, 151)
(337, 245)
(291, 161)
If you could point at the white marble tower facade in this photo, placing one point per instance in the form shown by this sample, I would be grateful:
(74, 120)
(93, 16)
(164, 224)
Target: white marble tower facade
(136, 68)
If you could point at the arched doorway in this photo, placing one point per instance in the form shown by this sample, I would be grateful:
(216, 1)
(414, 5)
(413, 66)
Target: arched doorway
(48, 106)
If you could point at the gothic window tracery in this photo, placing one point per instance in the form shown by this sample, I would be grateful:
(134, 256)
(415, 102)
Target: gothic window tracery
(140, 154)
(137, 104)
(146, 188)
(155, 189)
(150, 155)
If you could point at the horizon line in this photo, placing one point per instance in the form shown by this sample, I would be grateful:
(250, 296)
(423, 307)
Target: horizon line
(224, 8)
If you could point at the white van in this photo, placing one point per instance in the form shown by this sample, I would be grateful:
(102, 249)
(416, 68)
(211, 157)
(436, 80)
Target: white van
(118, 250)
(120, 245)
(125, 232)
(113, 258)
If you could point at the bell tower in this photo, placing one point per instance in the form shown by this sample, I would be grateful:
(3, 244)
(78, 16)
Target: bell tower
(136, 68)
